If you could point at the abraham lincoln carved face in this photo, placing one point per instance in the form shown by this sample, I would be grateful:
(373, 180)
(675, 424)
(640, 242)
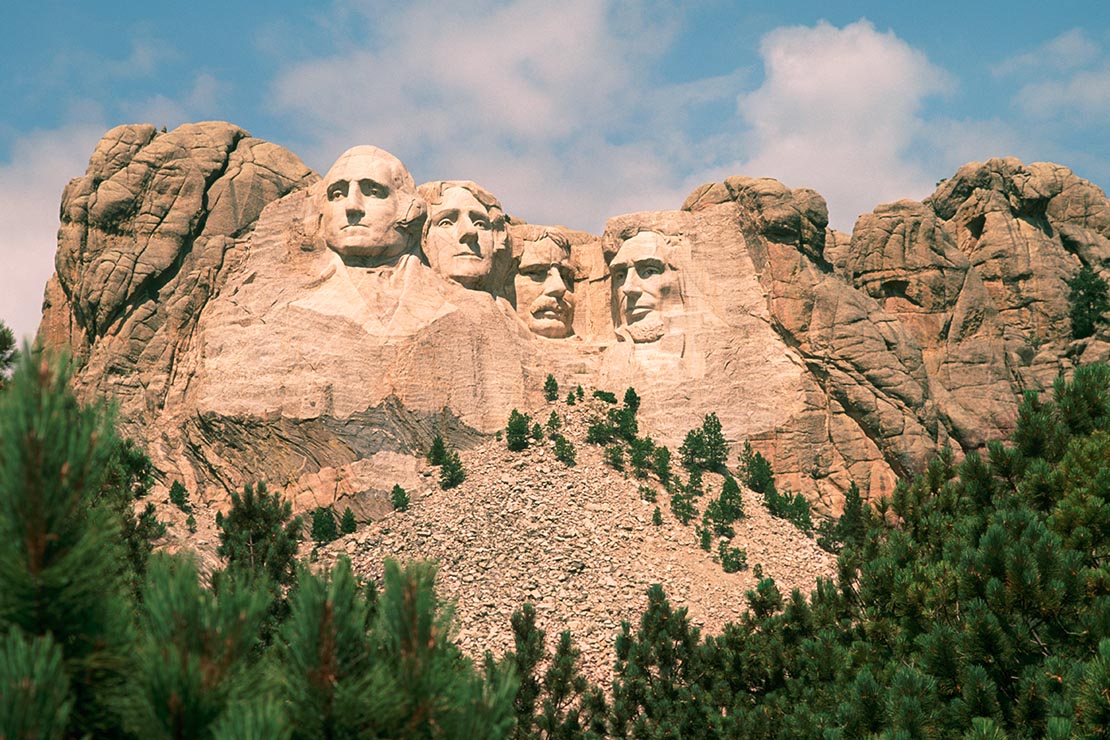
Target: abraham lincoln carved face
(644, 284)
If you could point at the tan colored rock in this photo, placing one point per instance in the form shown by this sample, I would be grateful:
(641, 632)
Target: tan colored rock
(257, 323)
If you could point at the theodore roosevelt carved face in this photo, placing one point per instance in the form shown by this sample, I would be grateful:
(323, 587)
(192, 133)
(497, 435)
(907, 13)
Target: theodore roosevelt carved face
(644, 285)
(464, 237)
(544, 286)
(369, 210)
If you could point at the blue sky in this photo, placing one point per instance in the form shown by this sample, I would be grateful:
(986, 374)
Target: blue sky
(570, 111)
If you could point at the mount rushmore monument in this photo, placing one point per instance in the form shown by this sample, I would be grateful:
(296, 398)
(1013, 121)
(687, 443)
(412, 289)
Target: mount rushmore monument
(255, 321)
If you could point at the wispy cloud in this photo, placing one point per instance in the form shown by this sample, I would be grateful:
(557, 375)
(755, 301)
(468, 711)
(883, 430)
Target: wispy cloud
(1071, 49)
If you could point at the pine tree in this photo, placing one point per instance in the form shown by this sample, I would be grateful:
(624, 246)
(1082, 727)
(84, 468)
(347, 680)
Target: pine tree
(347, 525)
(399, 497)
(437, 451)
(614, 456)
(631, 401)
(516, 432)
(260, 535)
(657, 517)
(554, 423)
(427, 689)
(661, 462)
(63, 569)
(324, 658)
(8, 354)
(640, 452)
(195, 651)
(323, 525)
(756, 471)
(564, 451)
(716, 448)
(570, 398)
(34, 690)
(550, 388)
(179, 497)
(1088, 302)
(692, 450)
(537, 432)
(452, 473)
(656, 686)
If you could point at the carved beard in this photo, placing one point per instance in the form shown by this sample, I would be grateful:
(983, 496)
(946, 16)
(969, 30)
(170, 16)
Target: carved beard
(647, 329)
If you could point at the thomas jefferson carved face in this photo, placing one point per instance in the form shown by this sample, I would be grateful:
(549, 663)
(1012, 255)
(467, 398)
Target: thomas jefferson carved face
(644, 285)
(461, 238)
(369, 204)
(544, 287)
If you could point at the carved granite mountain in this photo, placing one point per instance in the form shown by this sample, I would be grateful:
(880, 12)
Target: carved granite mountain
(255, 321)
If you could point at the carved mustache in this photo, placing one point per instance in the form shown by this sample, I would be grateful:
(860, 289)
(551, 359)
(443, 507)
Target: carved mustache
(547, 303)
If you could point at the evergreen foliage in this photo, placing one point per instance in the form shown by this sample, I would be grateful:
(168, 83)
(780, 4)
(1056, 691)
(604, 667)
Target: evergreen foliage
(564, 451)
(579, 393)
(179, 497)
(570, 398)
(624, 424)
(605, 396)
(191, 523)
(34, 691)
(682, 506)
(732, 559)
(705, 448)
(128, 477)
(554, 423)
(600, 432)
(661, 463)
(632, 401)
(64, 569)
(657, 517)
(1088, 302)
(614, 456)
(517, 430)
(756, 471)
(196, 648)
(324, 529)
(259, 536)
(452, 473)
(437, 451)
(647, 493)
(640, 451)
(560, 703)
(8, 353)
(550, 388)
(399, 497)
(347, 525)
(537, 432)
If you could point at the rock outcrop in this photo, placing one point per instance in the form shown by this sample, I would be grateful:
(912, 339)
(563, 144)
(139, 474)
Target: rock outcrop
(255, 321)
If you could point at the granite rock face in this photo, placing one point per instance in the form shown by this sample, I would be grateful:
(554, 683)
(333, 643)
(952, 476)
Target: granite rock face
(255, 321)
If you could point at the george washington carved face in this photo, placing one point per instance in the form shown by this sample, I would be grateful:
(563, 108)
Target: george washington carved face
(369, 208)
(544, 286)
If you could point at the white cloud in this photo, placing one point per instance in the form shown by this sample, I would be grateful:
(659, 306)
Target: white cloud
(543, 103)
(840, 111)
(1085, 93)
(31, 190)
(1071, 49)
